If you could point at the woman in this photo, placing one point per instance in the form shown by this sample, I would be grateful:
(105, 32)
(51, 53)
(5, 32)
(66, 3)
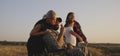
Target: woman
(70, 35)
(76, 31)
(76, 28)
(36, 45)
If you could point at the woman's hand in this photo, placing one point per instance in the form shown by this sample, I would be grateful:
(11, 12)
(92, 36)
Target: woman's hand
(37, 28)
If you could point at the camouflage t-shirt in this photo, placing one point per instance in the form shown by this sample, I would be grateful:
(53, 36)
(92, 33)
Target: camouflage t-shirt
(50, 40)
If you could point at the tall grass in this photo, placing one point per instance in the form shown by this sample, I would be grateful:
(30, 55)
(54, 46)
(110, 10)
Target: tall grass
(16, 50)
(96, 52)
(9, 50)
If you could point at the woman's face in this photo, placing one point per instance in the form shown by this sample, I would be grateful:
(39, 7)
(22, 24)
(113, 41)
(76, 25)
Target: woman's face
(71, 17)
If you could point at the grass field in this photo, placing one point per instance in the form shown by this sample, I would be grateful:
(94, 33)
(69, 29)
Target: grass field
(108, 49)
(18, 49)
(9, 50)
(15, 50)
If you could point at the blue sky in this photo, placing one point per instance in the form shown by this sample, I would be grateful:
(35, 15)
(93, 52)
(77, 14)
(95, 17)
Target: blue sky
(99, 19)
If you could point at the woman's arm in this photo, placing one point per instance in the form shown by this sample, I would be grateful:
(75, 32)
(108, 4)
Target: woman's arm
(76, 35)
(35, 31)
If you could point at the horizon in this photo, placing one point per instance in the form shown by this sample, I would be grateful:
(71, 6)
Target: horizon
(26, 42)
(99, 19)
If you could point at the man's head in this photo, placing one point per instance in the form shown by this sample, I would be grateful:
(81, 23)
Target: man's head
(51, 17)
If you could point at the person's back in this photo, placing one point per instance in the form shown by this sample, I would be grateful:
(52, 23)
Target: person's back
(32, 46)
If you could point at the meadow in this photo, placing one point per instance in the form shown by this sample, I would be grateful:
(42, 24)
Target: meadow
(13, 48)
(19, 49)
(9, 50)
(108, 49)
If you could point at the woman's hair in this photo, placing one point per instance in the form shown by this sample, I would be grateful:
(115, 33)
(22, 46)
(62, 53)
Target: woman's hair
(48, 16)
(69, 15)
(44, 16)
(67, 18)
(69, 22)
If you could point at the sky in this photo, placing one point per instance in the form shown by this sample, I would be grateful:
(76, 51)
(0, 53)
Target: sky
(99, 19)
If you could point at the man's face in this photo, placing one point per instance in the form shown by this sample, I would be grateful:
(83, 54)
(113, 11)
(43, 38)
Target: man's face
(53, 20)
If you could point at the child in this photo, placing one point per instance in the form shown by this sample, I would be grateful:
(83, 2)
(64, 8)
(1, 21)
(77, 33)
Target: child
(70, 35)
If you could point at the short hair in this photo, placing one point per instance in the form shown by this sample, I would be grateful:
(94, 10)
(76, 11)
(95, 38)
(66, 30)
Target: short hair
(59, 19)
(50, 13)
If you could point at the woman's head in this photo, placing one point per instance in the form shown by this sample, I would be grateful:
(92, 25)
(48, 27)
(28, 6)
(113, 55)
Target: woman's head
(70, 16)
(51, 17)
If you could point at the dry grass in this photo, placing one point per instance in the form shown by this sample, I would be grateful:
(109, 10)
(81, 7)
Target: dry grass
(7, 50)
(96, 52)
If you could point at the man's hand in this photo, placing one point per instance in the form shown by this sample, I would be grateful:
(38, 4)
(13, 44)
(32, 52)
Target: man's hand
(62, 29)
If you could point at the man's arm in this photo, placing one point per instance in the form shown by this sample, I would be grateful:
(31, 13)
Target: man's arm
(61, 36)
